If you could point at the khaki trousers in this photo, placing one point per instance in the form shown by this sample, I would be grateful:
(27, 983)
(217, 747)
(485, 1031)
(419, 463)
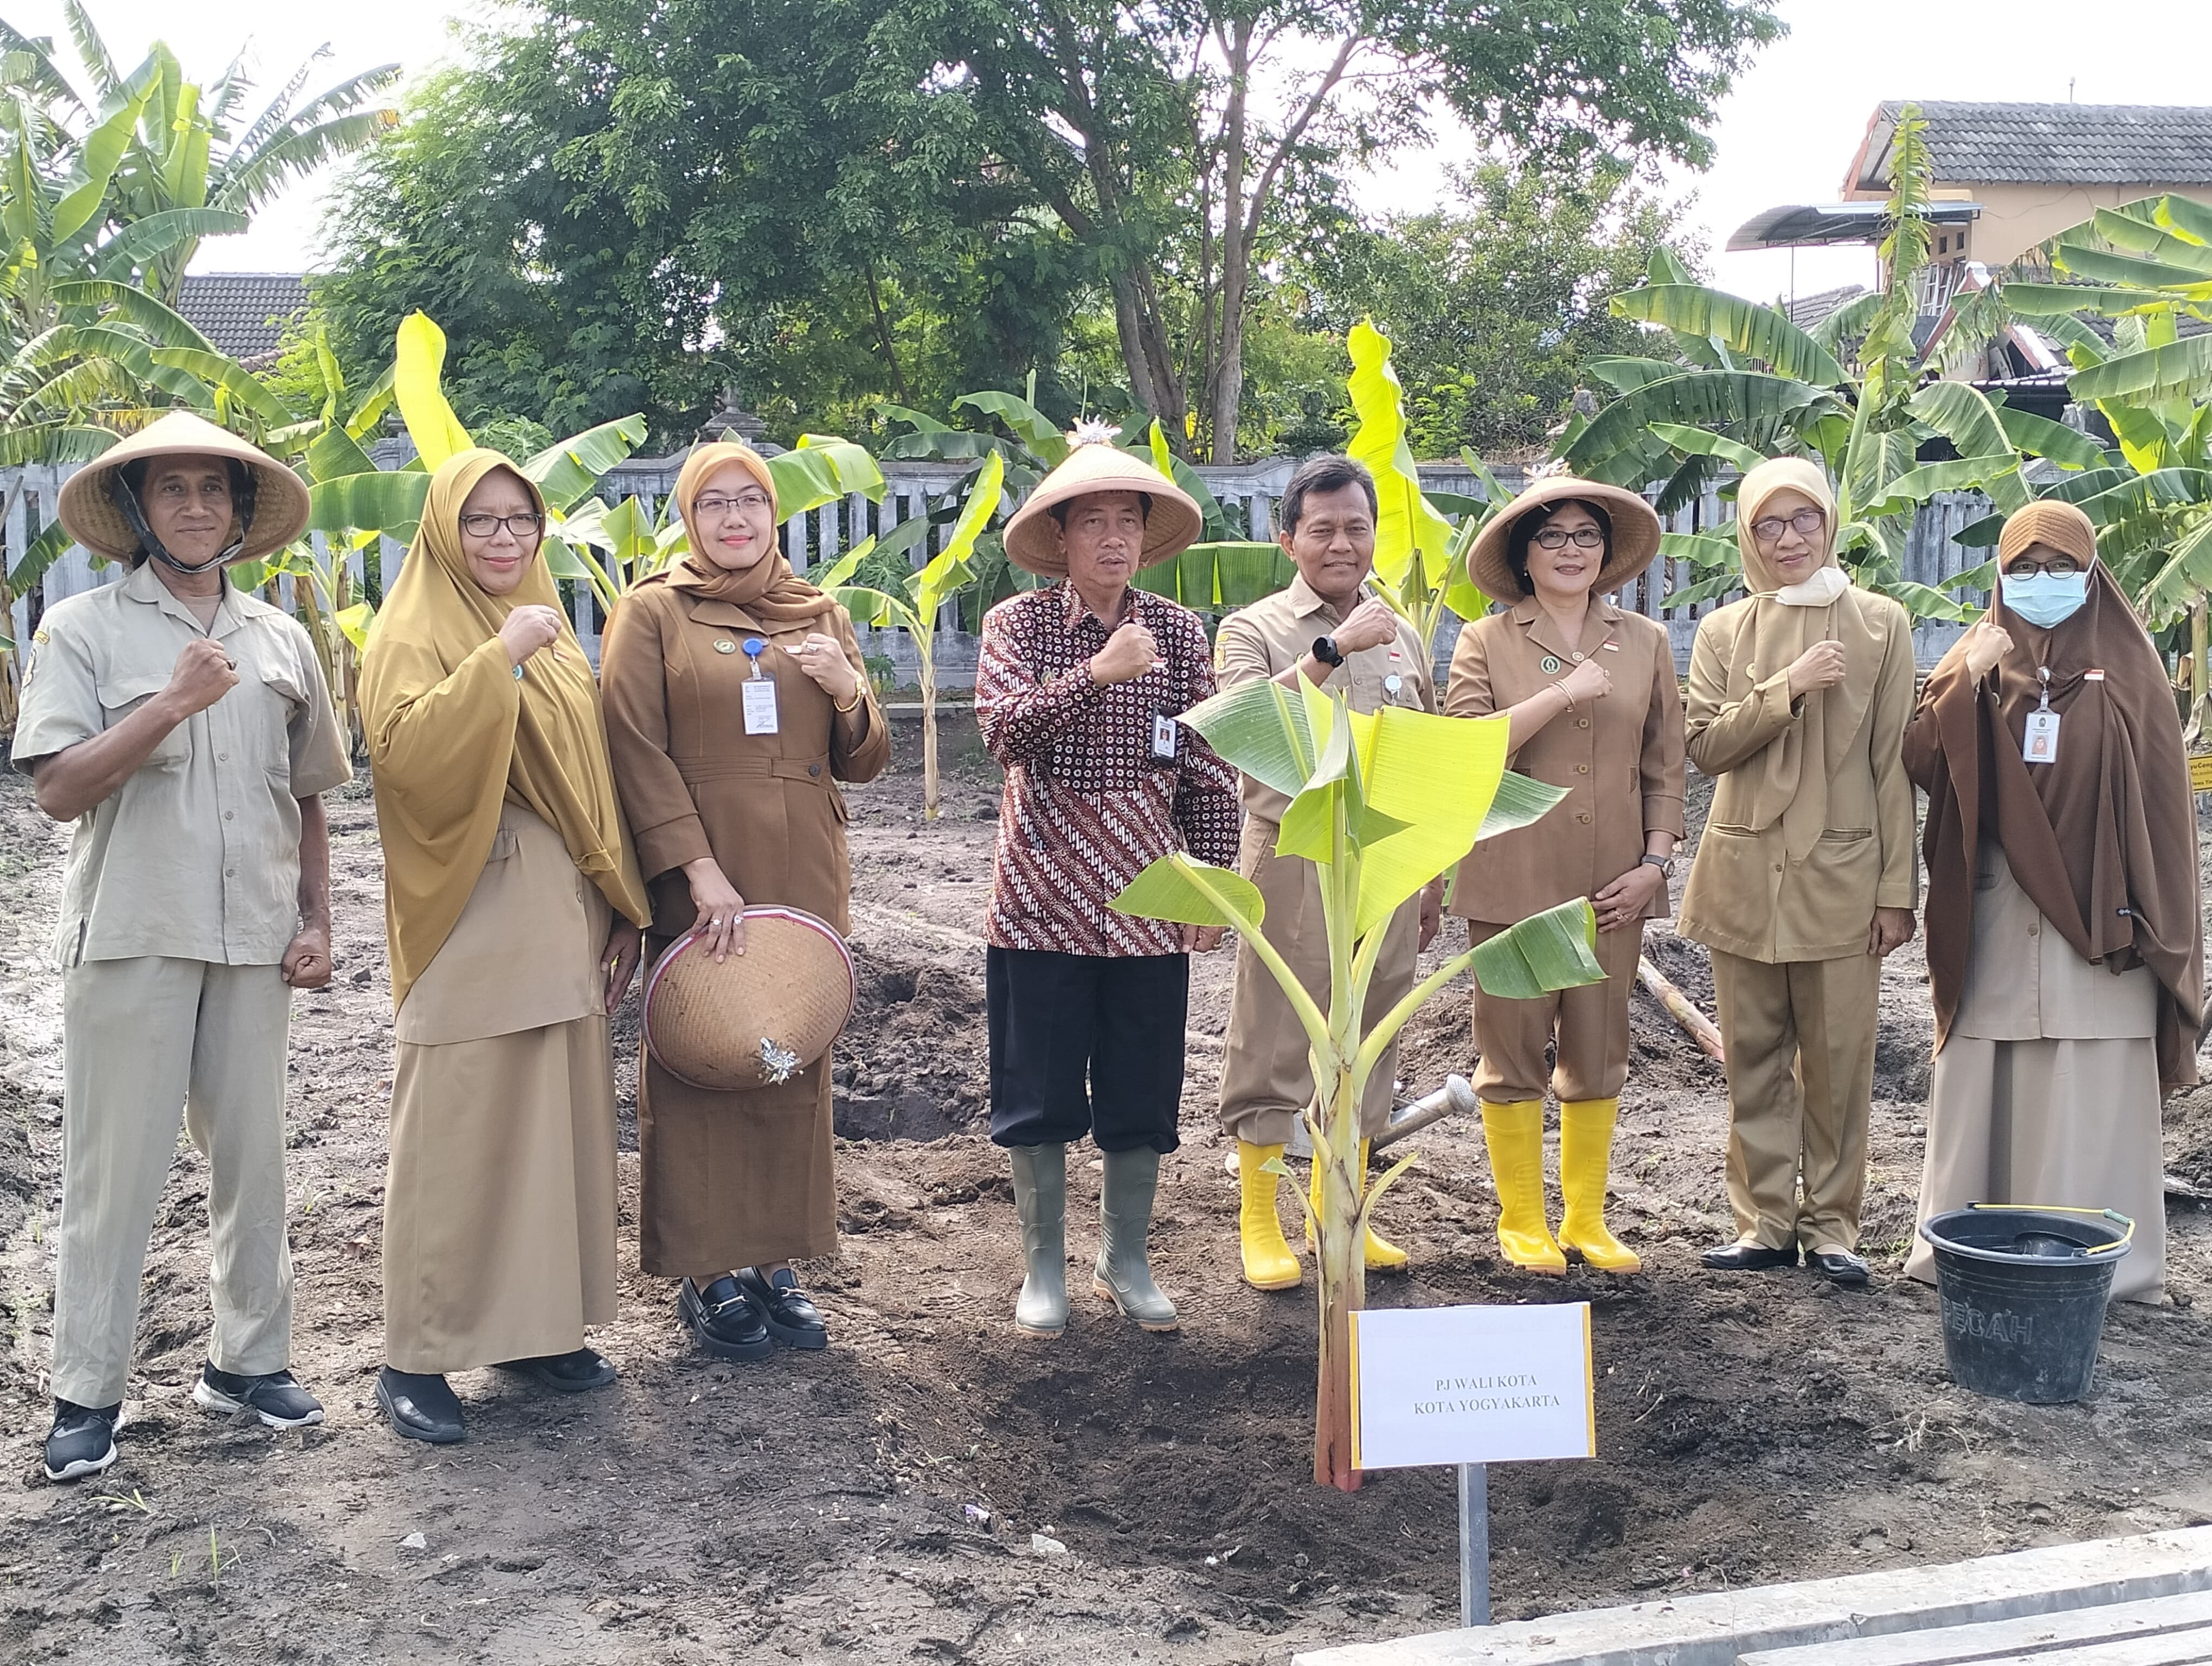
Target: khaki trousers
(1590, 1022)
(142, 1040)
(1800, 1039)
(1267, 1073)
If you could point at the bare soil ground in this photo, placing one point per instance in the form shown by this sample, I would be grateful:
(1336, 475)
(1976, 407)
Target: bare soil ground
(876, 1503)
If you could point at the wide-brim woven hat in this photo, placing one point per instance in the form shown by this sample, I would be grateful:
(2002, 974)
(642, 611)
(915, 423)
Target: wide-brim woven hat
(88, 509)
(1171, 525)
(1634, 543)
(759, 1017)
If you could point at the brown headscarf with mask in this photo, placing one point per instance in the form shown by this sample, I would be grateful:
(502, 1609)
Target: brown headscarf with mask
(1782, 787)
(453, 732)
(768, 589)
(2084, 834)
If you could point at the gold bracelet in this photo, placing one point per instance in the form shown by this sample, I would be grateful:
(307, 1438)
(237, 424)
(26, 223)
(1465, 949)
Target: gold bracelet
(846, 711)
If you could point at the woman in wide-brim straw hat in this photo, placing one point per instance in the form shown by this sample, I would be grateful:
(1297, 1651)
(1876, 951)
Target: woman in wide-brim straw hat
(1077, 686)
(1591, 693)
(511, 906)
(184, 726)
(2065, 942)
(737, 701)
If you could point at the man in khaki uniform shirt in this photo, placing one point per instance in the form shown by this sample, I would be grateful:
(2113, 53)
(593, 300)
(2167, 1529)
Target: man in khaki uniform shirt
(186, 728)
(1328, 629)
(1806, 874)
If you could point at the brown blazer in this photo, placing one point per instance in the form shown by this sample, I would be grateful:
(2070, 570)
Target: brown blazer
(693, 783)
(1619, 759)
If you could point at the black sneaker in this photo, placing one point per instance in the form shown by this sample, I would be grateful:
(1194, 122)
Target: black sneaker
(565, 1373)
(723, 1319)
(420, 1406)
(276, 1399)
(83, 1441)
(791, 1319)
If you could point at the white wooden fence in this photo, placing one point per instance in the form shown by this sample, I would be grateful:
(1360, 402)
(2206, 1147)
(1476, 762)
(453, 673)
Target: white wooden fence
(1247, 492)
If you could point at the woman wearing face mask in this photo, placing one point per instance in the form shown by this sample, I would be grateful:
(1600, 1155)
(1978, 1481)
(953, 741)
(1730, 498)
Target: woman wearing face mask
(2065, 949)
(512, 904)
(733, 795)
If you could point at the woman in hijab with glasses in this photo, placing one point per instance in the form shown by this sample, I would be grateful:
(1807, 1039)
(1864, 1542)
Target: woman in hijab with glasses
(737, 700)
(2065, 946)
(511, 908)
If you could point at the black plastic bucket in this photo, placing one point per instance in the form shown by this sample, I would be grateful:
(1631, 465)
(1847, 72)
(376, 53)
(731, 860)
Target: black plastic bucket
(2023, 1290)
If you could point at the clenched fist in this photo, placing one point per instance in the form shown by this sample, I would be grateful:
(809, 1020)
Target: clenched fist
(1372, 623)
(1819, 667)
(1129, 653)
(203, 673)
(1587, 681)
(1985, 643)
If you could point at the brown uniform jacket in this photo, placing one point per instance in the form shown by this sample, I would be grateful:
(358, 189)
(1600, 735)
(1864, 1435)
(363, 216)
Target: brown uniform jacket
(1744, 896)
(694, 784)
(1619, 759)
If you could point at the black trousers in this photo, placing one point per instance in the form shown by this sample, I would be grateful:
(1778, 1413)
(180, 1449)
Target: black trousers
(1083, 1043)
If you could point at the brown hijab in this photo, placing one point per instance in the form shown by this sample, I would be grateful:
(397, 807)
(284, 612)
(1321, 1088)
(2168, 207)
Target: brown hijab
(768, 589)
(2083, 835)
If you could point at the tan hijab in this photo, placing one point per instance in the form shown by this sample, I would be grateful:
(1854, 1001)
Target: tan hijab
(1783, 788)
(452, 733)
(768, 589)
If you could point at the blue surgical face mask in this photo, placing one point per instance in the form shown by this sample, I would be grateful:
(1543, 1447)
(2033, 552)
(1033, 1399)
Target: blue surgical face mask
(2045, 600)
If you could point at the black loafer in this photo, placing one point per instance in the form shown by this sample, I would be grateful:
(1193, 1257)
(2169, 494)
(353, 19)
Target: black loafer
(1837, 1266)
(723, 1319)
(791, 1319)
(276, 1399)
(420, 1406)
(576, 1372)
(1748, 1258)
(83, 1441)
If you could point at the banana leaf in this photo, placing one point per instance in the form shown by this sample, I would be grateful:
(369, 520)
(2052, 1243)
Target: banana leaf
(1743, 327)
(567, 472)
(1546, 952)
(417, 369)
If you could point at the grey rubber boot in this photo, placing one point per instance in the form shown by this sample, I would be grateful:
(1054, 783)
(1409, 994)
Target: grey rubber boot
(1041, 1200)
(1124, 1274)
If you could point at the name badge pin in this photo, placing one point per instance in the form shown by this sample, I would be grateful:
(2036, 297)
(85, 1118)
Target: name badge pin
(1549, 665)
(724, 645)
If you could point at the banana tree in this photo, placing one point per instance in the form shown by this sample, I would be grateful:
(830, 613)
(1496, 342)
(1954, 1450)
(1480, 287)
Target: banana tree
(1382, 803)
(915, 607)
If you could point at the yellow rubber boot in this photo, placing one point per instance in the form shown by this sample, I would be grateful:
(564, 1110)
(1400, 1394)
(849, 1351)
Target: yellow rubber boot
(1515, 1136)
(1382, 1256)
(1269, 1263)
(1585, 1155)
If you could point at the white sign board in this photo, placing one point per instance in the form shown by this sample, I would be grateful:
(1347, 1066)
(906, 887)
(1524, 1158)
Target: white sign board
(1471, 1385)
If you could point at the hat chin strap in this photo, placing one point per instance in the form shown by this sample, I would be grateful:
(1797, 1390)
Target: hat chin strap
(127, 501)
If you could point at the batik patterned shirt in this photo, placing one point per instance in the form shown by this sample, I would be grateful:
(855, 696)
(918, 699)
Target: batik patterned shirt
(1086, 807)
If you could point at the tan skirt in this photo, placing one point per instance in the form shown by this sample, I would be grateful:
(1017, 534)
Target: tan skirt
(2069, 1122)
(499, 1206)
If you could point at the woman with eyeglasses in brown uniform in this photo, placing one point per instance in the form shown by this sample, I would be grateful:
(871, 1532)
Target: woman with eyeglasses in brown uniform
(1594, 709)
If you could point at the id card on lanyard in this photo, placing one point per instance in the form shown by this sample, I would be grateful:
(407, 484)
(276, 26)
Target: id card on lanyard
(2039, 741)
(759, 692)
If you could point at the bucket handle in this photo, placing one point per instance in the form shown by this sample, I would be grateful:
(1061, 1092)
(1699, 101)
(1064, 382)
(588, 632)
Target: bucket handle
(2126, 1238)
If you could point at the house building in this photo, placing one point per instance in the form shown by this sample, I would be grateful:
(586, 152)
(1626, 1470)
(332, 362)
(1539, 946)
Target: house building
(244, 314)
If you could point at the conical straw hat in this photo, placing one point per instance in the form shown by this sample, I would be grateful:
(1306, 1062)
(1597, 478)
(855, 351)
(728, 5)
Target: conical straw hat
(759, 1017)
(88, 509)
(1171, 527)
(1634, 542)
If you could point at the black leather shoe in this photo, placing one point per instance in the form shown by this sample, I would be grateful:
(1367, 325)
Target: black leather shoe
(276, 1399)
(576, 1372)
(1748, 1258)
(83, 1441)
(791, 1319)
(723, 1319)
(1837, 1266)
(420, 1406)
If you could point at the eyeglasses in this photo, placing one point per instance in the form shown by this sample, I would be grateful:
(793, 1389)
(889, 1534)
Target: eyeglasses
(1808, 522)
(522, 526)
(1583, 537)
(2064, 566)
(713, 505)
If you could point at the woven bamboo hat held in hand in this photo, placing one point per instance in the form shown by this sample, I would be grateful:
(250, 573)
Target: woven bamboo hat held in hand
(1630, 546)
(1172, 519)
(99, 502)
(757, 1019)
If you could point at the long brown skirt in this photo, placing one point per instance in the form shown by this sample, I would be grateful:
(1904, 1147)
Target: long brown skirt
(499, 1204)
(730, 1180)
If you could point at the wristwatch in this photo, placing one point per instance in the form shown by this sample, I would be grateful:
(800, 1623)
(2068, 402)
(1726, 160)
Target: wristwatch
(1326, 650)
(1664, 864)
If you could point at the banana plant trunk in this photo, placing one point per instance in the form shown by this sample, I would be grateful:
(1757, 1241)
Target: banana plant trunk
(928, 663)
(1343, 1280)
(2200, 639)
(9, 661)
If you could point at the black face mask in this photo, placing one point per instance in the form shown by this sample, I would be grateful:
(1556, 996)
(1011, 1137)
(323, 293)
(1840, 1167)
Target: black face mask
(242, 494)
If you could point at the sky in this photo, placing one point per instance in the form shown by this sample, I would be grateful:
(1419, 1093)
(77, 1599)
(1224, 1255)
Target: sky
(1784, 135)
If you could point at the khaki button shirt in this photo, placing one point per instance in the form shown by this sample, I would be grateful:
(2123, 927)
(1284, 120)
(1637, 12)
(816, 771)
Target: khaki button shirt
(1619, 759)
(1273, 634)
(196, 856)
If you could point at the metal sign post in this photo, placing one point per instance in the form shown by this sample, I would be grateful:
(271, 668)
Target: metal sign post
(1474, 1545)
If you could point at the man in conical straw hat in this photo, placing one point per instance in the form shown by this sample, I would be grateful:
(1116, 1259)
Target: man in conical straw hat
(185, 728)
(1077, 687)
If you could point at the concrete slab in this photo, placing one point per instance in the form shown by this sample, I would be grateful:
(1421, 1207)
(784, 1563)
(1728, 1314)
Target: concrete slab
(2174, 1650)
(2033, 1636)
(1713, 1628)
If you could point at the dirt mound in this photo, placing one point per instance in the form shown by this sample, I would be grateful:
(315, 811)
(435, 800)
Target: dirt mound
(914, 1062)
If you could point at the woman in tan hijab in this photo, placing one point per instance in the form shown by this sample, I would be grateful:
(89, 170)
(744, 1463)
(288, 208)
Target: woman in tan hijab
(733, 794)
(1805, 876)
(2065, 949)
(512, 906)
